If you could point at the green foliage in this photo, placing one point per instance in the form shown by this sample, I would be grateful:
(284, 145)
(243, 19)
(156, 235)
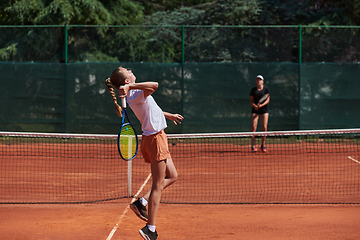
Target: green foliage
(150, 44)
(160, 44)
(64, 12)
(21, 11)
(237, 12)
(221, 12)
(307, 12)
(8, 52)
(207, 44)
(182, 16)
(75, 12)
(124, 12)
(202, 12)
(154, 6)
(165, 42)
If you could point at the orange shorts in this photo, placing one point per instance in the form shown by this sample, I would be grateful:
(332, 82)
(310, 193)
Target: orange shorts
(155, 147)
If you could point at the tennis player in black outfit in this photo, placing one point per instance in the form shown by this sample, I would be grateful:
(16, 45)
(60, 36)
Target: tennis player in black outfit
(259, 109)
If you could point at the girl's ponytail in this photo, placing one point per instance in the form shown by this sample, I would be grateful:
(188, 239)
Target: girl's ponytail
(118, 108)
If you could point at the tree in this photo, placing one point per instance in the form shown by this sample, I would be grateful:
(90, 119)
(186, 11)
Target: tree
(153, 6)
(208, 44)
(161, 44)
(77, 12)
(309, 12)
(46, 44)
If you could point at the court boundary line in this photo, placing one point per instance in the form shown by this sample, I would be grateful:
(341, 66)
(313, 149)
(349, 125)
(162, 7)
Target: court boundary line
(353, 159)
(127, 209)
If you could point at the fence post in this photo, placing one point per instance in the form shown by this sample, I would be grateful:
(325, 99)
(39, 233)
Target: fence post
(182, 72)
(66, 46)
(299, 80)
(65, 80)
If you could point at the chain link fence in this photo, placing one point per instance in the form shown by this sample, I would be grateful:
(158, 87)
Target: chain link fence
(179, 44)
(52, 77)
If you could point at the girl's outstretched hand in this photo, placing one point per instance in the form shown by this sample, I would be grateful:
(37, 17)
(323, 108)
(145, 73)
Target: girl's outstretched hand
(175, 118)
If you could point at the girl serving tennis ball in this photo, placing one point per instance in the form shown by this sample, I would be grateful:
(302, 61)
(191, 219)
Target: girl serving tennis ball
(154, 145)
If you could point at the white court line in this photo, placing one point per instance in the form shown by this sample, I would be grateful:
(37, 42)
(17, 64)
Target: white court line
(127, 209)
(354, 159)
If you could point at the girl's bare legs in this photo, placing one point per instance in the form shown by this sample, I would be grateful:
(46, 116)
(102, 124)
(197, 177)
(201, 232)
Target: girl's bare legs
(254, 122)
(264, 123)
(171, 176)
(163, 174)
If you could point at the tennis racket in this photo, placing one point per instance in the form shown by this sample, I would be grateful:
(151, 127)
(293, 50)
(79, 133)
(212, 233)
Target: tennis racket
(127, 138)
(263, 99)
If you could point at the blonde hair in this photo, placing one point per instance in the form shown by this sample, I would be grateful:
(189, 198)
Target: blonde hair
(116, 79)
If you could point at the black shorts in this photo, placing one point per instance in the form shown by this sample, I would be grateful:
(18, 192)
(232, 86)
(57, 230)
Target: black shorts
(260, 110)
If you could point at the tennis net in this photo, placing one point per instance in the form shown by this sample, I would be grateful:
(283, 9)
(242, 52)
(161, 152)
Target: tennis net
(298, 167)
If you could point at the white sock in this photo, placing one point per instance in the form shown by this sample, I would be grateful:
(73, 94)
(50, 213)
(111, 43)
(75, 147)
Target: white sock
(143, 201)
(151, 227)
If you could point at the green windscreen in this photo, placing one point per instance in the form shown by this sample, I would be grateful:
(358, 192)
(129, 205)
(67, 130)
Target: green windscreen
(213, 97)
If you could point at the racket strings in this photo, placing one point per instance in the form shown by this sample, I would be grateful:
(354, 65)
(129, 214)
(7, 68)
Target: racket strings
(127, 142)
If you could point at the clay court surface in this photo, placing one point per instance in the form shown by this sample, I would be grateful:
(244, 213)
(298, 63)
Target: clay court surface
(57, 172)
(180, 221)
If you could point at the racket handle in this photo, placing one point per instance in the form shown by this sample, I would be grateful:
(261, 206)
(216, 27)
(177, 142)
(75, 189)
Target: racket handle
(123, 102)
